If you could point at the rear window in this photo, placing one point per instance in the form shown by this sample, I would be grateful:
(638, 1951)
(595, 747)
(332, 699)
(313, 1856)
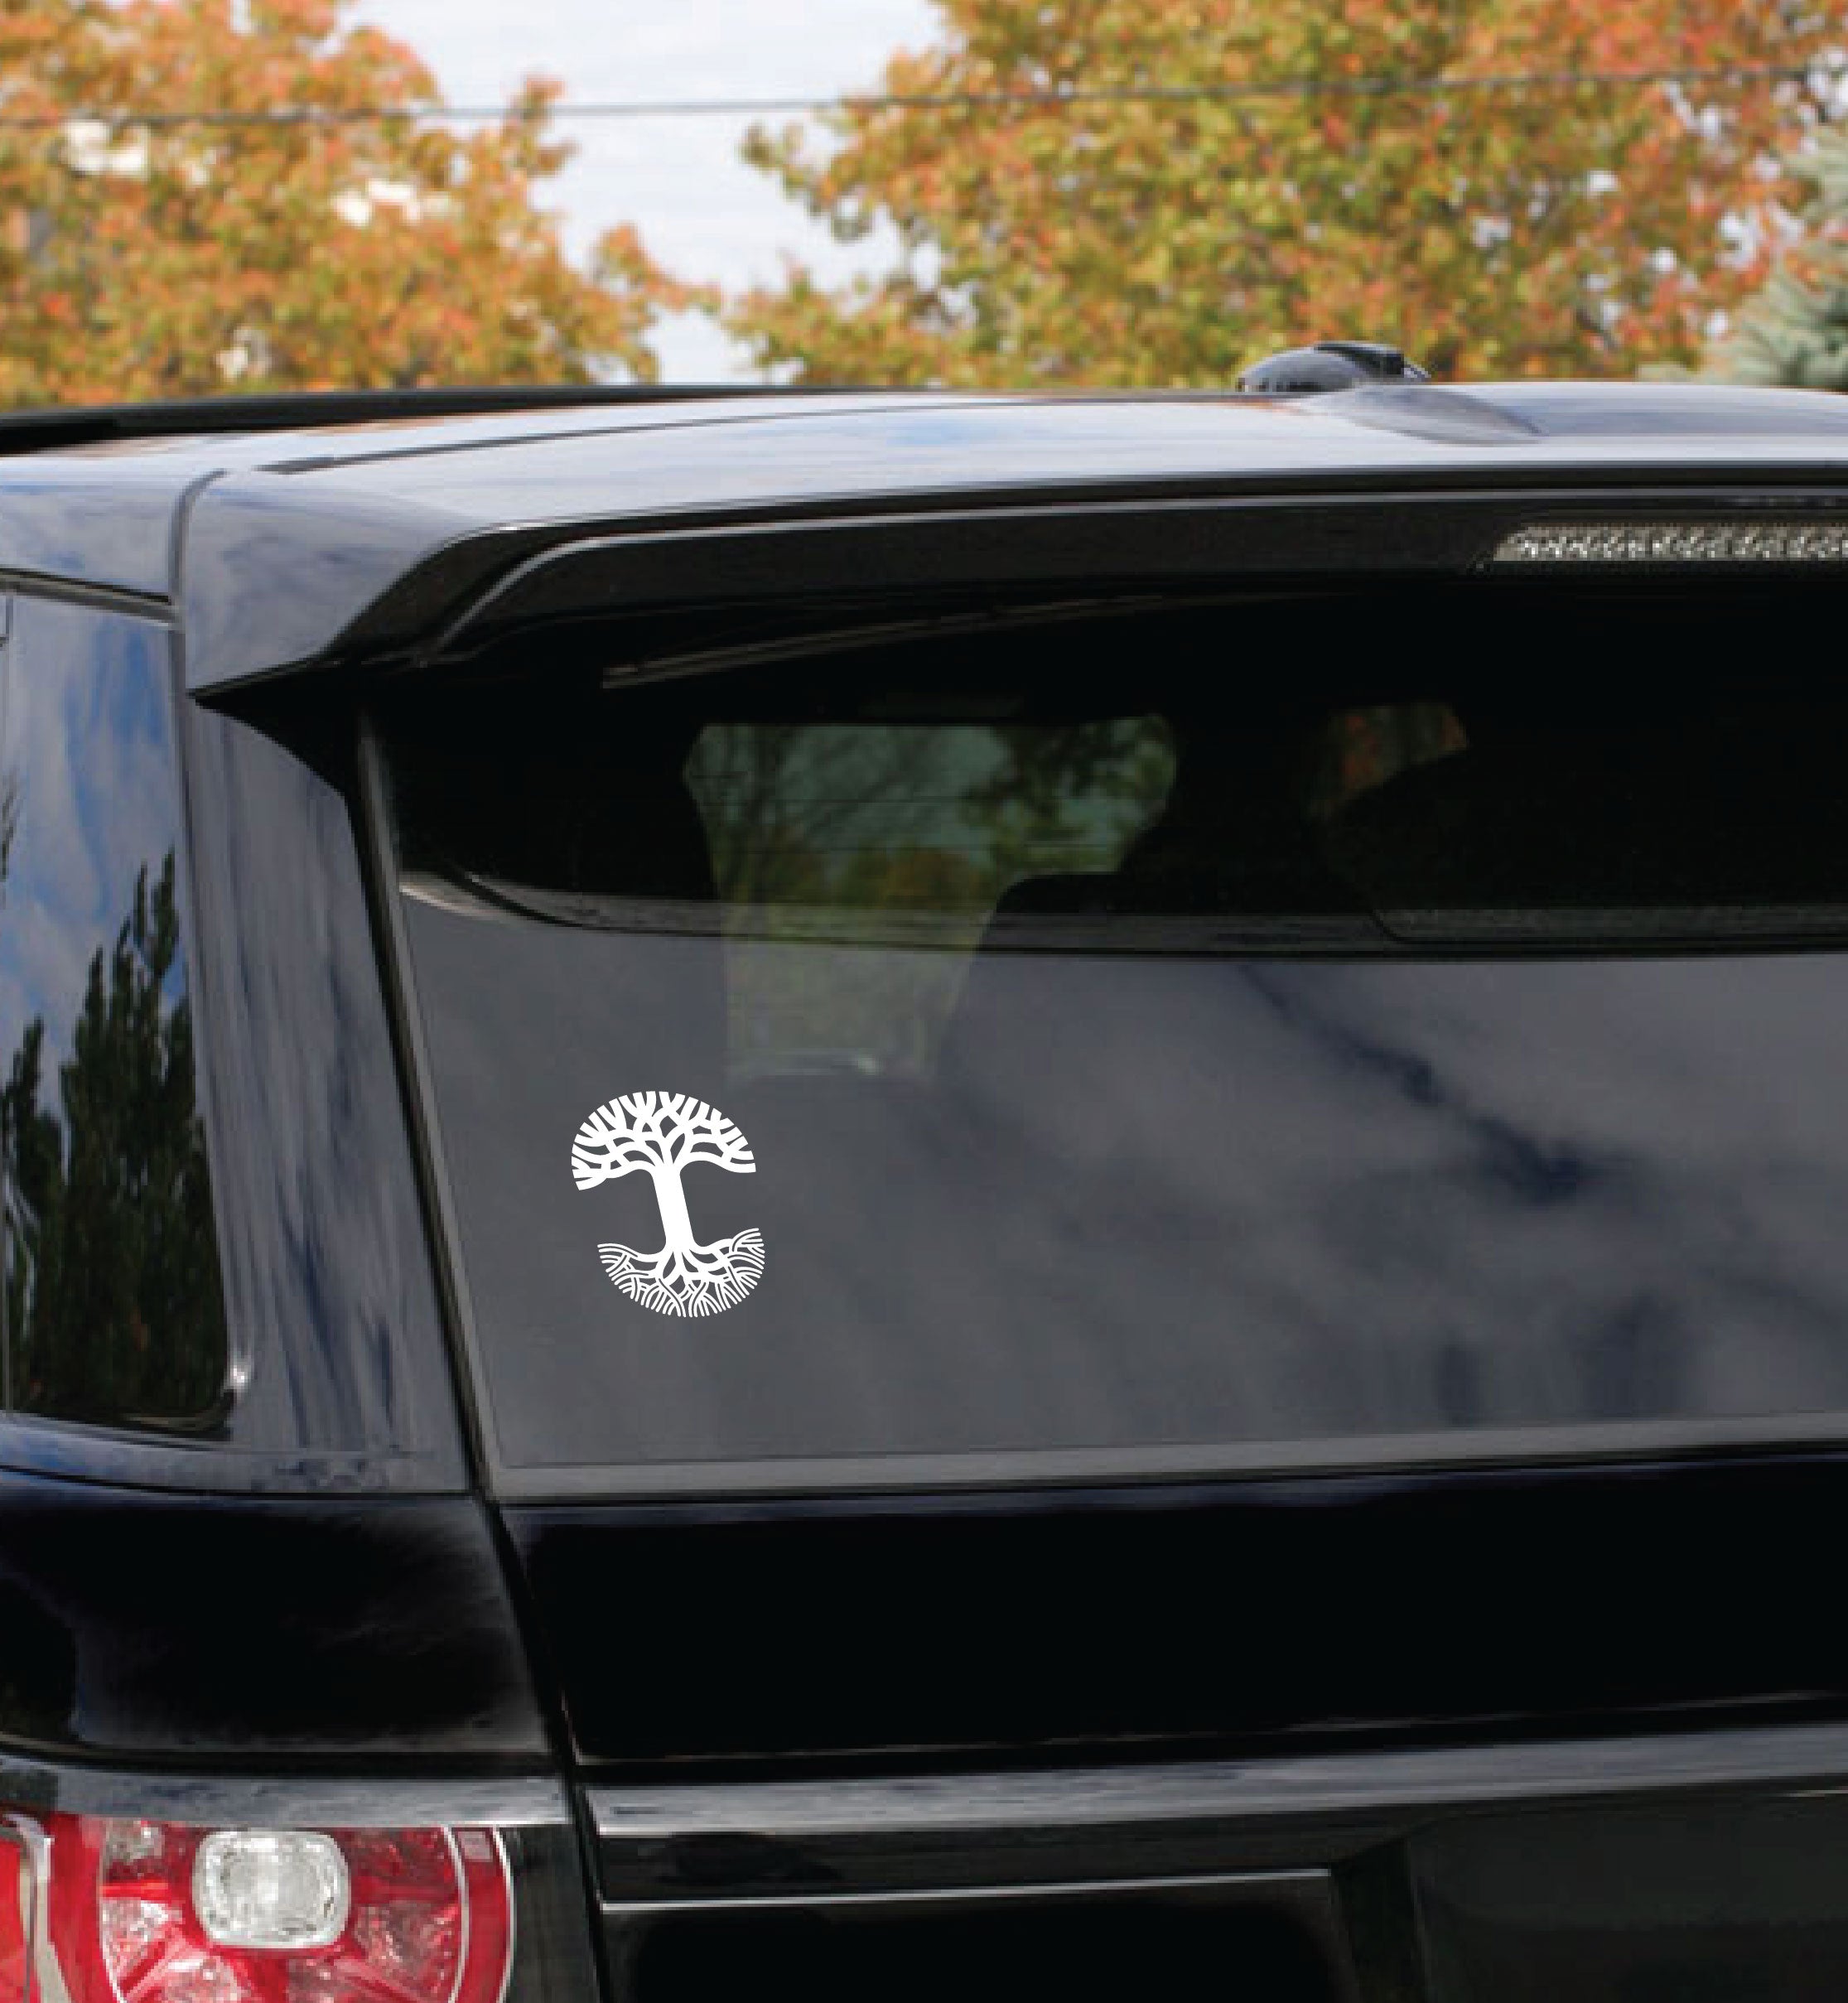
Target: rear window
(1151, 1044)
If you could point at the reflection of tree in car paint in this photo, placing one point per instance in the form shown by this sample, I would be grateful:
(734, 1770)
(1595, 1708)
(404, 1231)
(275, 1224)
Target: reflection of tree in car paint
(111, 1293)
(664, 1134)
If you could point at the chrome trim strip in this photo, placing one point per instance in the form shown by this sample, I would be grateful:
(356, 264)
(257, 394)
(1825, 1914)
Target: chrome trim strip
(380, 1800)
(47, 1984)
(1298, 1887)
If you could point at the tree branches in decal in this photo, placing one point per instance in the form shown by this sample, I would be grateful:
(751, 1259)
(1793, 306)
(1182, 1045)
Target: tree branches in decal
(663, 1134)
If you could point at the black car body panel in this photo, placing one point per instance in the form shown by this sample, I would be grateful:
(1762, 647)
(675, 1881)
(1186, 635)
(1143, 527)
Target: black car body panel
(1514, 1603)
(414, 532)
(112, 513)
(1593, 1869)
(95, 524)
(1408, 1727)
(326, 1243)
(145, 1626)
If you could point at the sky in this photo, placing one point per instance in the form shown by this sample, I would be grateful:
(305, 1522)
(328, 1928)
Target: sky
(701, 211)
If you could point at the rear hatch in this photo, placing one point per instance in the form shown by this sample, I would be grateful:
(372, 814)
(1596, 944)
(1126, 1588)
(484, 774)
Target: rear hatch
(1095, 1237)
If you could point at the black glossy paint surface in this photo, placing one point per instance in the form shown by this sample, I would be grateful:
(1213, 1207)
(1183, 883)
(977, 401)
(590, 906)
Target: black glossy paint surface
(1703, 1900)
(1666, 1893)
(134, 1625)
(1279, 1939)
(329, 1283)
(378, 538)
(105, 523)
(112, 1310)
(1489, 1603)
(662, 1835)
(278, 564)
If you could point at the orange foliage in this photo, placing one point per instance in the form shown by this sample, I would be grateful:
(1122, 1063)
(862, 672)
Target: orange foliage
(185, 260)
(1592, 229)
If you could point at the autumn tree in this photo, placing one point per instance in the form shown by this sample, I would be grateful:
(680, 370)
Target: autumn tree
(256, 236)
(1148, 192)
(1796, 330)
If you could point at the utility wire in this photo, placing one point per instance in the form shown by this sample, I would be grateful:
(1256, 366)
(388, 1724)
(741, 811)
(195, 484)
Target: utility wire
(1835, 72)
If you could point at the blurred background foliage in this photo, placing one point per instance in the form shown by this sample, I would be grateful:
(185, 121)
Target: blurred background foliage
(1795, 332)
(1491, 187)
(206, 255)
(1111, 192)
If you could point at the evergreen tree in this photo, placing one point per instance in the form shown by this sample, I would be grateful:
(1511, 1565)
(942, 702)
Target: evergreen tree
(111, 1290)
(1796, 330)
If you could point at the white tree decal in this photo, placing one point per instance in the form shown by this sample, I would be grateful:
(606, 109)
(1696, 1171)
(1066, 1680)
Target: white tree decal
(663, 1133)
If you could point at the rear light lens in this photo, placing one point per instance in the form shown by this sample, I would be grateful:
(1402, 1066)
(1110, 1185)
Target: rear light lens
(15, 1918)
(147, 1911)
(274, 1889)
(1677, 544)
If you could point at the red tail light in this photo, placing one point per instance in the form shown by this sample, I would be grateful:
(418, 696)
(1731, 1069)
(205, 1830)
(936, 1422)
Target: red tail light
(142, 1911)
(15, 1888)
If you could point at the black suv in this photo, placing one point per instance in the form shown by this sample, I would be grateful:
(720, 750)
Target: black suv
(906, 1197)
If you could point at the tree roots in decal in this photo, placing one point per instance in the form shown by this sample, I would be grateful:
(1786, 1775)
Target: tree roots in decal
(688, 1279)
(664, 1134)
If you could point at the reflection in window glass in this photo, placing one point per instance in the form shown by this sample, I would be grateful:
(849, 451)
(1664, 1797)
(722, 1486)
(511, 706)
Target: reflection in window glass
(1147, 1067)
(831, 828)
(111, 1290)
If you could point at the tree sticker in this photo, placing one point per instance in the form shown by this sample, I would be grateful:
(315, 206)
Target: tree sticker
(664, 1134)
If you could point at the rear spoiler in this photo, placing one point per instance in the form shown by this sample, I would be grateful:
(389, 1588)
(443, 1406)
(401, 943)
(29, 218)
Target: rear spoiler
(427, 600)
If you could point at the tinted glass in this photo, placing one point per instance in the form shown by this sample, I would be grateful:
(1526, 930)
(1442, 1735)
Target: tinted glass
(111, 1289)
(1106, 1051)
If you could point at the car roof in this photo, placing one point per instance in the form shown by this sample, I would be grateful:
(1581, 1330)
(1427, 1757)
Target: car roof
(313, 508)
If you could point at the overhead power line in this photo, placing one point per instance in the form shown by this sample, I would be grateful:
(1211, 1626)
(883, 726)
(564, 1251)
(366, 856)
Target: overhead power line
(1834, 73)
